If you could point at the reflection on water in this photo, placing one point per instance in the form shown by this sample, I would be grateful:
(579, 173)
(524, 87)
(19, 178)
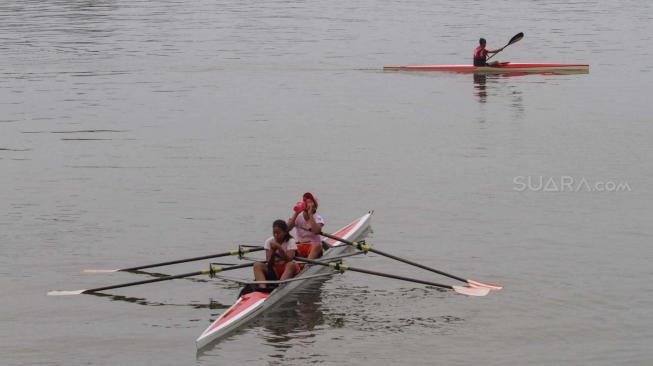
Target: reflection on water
(212, 304)
(389, 315)
(293, 329)
(479, 87)
(298, 316)
(482, 80)
(61, 27)
(489, 85)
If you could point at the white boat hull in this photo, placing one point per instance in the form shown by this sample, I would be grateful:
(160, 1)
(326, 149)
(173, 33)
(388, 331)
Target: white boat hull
(250, 305)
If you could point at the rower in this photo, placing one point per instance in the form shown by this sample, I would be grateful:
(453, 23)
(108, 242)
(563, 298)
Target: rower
(481, 54)
(280, 253)
(308, 225)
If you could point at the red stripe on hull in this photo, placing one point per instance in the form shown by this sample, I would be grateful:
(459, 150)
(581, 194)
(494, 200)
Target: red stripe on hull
(244, 302)
(342, 232)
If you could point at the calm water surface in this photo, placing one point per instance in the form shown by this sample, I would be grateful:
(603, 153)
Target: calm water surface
(140, 131)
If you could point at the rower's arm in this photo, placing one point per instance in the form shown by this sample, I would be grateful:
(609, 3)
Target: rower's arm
(496, 51)
(315, 228)
(268, 254)
(291, 221)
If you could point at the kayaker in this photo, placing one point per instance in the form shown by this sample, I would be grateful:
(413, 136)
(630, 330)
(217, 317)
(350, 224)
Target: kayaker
(481, 54)
(308, 225)
(280, 253)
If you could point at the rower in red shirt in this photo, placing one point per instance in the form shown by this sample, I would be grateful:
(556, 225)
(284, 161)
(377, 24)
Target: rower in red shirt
(481, 54)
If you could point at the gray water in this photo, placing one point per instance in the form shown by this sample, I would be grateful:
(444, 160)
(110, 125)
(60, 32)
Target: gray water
(135, 131)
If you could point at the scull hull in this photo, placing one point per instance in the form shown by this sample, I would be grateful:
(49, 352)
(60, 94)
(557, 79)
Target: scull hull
(250, 305)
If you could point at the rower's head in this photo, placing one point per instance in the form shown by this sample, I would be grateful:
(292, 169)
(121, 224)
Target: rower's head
(280, 231)
(482, 42)
(311, 201)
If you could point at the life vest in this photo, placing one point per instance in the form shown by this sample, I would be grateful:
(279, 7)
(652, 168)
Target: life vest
(480, 56)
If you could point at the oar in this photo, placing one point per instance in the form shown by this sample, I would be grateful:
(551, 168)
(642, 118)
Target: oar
(239, 251)
(470, 291)
(516, 38)
(213, 269)
(367, 248)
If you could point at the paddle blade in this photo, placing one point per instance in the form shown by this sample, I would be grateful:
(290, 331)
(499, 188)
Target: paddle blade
(471, 291)
(516, 38)
(477, 284)
(65, 293)
(101, 270)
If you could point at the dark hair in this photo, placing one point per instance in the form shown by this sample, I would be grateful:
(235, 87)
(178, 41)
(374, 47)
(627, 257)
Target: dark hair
(283, 226)
(481, 41)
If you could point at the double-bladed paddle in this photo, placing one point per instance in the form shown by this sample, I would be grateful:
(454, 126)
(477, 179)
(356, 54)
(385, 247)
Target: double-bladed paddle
(364, 247)
(516, 38)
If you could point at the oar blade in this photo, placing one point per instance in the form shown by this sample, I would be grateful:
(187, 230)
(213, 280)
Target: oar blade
(491, 286)
(65, 293)
(516, 38)
(101, 270)
(471, 283)
(471, 291)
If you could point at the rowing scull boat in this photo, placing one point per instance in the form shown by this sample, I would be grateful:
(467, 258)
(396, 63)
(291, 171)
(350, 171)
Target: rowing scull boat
(254, 303)
(507, 67)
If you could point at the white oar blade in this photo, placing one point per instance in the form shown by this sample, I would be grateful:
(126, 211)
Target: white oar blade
(471, 291)
(65, 293)
(491, 286)
(101, 270)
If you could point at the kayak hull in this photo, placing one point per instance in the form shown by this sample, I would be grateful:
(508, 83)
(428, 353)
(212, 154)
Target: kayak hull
(507, 67)
(250, 305)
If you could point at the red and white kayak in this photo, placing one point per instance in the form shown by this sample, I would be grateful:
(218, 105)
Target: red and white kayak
(507, 67)
(250, 305)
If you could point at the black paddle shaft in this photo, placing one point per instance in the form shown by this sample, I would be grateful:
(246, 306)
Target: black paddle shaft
(516, 38)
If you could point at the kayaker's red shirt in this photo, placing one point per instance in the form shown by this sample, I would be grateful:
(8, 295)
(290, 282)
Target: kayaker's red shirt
(480, 56)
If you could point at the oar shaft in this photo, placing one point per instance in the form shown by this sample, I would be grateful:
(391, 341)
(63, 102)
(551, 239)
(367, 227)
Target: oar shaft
(342, 240)
(97, 289)
(343, 267)
(389, 275)
(231, 252)
(416, 264)
(167, 278)
(379, 252)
